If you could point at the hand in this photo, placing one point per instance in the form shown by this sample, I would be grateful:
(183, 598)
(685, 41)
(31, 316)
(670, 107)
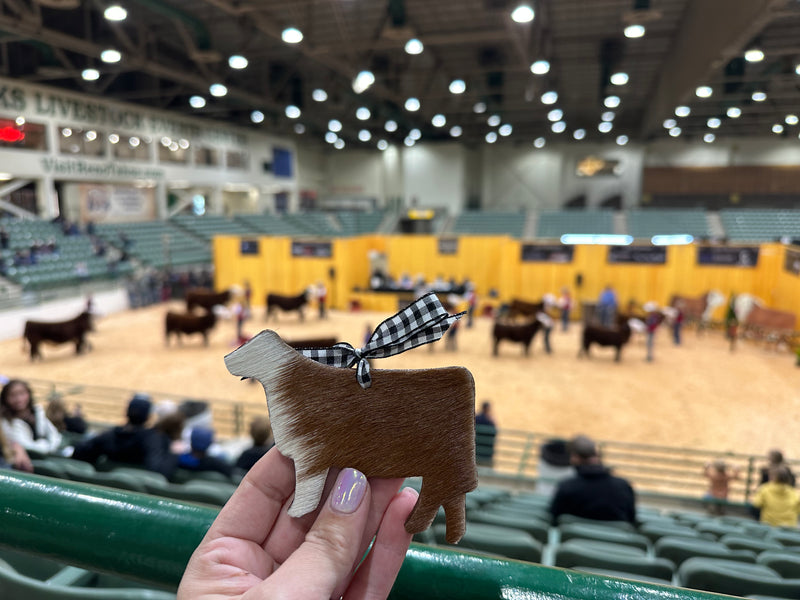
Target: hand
(255, 550)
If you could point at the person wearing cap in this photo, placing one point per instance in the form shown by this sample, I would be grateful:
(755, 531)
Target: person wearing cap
(594, 493)
(132, 443)
(198, 458)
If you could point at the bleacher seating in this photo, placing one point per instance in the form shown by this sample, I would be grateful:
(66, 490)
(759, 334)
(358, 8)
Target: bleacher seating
(357, 223)
(755, 225)
(488, 222)
(554, 224)
(647, 223)
(276, 224)
(157, 243)
(208, 226)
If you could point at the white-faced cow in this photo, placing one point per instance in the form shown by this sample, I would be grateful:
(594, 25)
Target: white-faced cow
(286, 303)
(206, 299)
(59, 332)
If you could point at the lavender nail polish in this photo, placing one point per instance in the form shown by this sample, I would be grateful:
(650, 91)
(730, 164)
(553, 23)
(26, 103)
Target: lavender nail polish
(349, 490)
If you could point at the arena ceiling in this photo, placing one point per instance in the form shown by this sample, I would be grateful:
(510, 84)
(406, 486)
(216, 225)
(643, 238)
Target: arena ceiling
(172, 50)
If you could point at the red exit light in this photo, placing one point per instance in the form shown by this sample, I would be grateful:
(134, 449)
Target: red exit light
(11, 134)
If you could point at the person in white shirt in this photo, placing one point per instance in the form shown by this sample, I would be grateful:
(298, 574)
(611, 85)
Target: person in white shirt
(24, 421)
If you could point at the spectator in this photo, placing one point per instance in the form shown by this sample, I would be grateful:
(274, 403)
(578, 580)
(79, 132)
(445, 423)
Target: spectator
(719, 478)
(607, 306)
(321, 293)
(65, 421)
(485, 434)
(777, 499)
(13, 455)
(565, 304)
(651, 323)
(554, 466)
(261, 432)
(775, 459)
(24, 421)
(472, 302)
(450, 340)
(171, 424)
(198, 459)
(594, 493)
(677, 323)
(131, 443)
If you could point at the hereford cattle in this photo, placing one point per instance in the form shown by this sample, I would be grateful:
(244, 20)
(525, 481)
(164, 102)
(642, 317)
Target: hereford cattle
(286, 303)
(606, 336)
(205, 298)
(408, 423)
(769, 325)
(521, 308)
(522, 334)
(189, 323)
(60, 332)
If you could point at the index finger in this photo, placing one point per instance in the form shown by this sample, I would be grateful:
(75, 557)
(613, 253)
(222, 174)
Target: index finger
(255, 505)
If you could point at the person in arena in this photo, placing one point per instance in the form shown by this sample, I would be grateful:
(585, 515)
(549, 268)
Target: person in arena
(777, 499)
(24, 421)
(261, 432)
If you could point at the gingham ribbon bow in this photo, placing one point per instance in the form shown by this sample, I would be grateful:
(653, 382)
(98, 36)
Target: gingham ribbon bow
(422, 322)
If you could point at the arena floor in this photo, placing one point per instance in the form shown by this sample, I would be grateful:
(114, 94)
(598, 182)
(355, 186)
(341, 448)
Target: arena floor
(698, 394)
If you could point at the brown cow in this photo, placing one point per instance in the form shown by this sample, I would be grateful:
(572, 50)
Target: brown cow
(205, 298)
(606, 336)
(189, 323)
(286, 303)
(522, 334)
(521, 308)
(408, 423)
(60, 332)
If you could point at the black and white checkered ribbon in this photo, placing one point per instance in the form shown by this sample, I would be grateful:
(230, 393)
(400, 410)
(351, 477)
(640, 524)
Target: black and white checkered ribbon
(422, 322)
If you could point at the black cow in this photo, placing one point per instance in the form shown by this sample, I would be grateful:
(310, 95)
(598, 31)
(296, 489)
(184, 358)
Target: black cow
(522, 334)
(286, 303)
(60, 332)
(205, 298)
(606, 336)
(189, 323)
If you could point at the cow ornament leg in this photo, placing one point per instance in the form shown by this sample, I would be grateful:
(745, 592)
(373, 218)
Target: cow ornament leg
(308, 492)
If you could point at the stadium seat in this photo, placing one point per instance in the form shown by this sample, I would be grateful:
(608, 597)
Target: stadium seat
(738, 579)
(615, 535)
(486, 494)
(787, 537)
(742, 542)
(537, 528)
(73, 468)
(655, 531)
(680, 549)
(43, 466)
(624, 525)
(718, 528)
(502, 541)
(785, 563)
(616, 557)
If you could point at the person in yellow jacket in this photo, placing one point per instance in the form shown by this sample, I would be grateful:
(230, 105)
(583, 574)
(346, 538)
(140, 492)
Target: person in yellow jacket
(778, 500)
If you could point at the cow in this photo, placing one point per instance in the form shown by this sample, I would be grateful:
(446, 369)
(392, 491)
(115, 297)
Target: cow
(606, 336)
(698, 309)
(286, 303)
(522, 308)
(407, 423)
(205, 298)
(512, 332)
(189, 323)
(60, 332)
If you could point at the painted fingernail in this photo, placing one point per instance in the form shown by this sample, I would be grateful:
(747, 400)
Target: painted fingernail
(349, 490)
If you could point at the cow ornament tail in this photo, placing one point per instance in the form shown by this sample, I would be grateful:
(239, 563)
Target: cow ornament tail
(385, 423)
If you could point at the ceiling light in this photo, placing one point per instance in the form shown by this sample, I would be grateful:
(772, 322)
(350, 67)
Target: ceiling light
(218, 90)
(183, 143)
(558, 127)
(622, 140)
(540, 67)
(734, 112)
(713, 122)
(338, 144)
(439, 120)
(335, 125)
(605, 126)
(412, 104)
(292, 35)
(791, 119)
(364, 135)
(409, 142)
(110, 56)
(777, 128)
(493, 121)
(197, 102)
(607, 116)
(754, 55)
(619, 78)
(134, 141)
(362, 81)
(415, 134)
(634, 31)
(480, 107)
(113, 138)
(522, 14)
(292, 111)
(166, 141)
(66, 132)
(390, 126)
(319, 95)
(20, 121)
(173, 147)
(383, 144)
(555, 114)
(457, 86)
(414, 46)
(90, 135)
(330, 137)
(237, 61)
(362, 114)
(456, 131)
(505, 130)
(675, 131)
(709, 137)
(257, 116)
(682, 111)
(90, 74)
(611, 101)
(299, 128)
(797, 69)
(759, 96)
(539, 142)
(115, 13)
(491, 137)
(669, 123)
(704, 91)
(579, 134)
(550, 97)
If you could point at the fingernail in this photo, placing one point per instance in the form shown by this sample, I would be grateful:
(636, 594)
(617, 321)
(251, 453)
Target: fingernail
(349, 490)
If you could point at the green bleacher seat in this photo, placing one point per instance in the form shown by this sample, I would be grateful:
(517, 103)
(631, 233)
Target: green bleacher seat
(536, 527)
(743, 542)
(615, 535)
(730, 577)
(657, 530)
(624, 525)
(680, 549)
(602, 555)
(784, 562)
(503, 541)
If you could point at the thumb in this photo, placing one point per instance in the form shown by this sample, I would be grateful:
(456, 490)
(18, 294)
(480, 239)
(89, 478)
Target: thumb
(331, 548)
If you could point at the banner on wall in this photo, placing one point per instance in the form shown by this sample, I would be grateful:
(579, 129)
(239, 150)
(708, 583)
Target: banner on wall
(115, 204)
(312, 249)
(649, 255)
(791, 261)
(553, 253)
(728, 256)
(448, 245)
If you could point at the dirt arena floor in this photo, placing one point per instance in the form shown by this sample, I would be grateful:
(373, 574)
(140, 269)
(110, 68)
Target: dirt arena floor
(698, 394)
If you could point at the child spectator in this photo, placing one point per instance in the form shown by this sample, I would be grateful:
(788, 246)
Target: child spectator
(778, 500)
(719, 478)
(261, 432)
(24, 421)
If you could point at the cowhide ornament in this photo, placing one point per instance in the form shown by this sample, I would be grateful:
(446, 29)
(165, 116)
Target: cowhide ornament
(408, 423)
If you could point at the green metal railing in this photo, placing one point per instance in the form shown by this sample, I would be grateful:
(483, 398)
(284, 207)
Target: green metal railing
(151, 539)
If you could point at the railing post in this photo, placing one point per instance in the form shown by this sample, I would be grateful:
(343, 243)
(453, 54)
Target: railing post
(238, 419)
(750, 477)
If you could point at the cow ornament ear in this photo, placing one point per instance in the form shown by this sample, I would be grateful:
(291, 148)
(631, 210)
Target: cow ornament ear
(385, 423)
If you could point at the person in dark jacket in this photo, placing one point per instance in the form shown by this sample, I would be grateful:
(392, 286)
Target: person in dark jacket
(594, 493)
(198, 458)
(132, 443)
(261, 432)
